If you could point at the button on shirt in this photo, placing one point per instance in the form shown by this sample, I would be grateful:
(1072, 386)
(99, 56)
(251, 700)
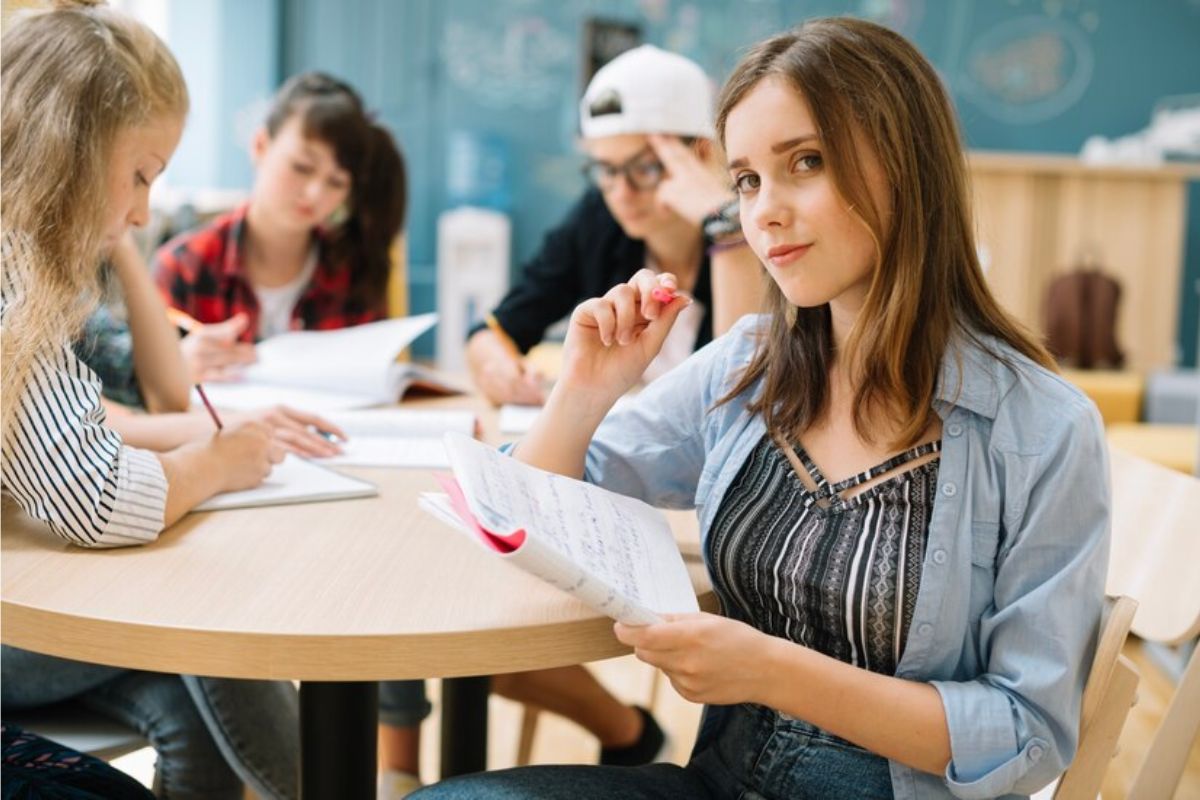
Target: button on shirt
(1007, 614)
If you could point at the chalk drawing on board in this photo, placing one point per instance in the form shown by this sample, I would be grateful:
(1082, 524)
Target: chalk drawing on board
(1028, 69)
(519, 68)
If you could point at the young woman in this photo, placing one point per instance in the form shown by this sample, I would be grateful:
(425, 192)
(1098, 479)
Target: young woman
(657, 200)
(93, 107)
(310, 250)
(904, 510)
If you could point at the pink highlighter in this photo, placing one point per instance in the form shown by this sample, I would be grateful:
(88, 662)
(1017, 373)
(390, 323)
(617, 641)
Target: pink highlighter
(662, 294)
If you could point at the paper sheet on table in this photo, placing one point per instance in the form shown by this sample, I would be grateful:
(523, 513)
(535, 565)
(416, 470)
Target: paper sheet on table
(397, 437)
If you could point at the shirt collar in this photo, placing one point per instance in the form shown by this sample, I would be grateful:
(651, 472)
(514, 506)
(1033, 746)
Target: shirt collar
(971, 377)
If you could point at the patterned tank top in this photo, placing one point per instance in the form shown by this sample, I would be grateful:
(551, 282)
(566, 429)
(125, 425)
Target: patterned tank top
(839, 575)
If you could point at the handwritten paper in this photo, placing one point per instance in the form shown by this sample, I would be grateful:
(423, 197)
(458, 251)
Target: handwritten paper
(613, 552)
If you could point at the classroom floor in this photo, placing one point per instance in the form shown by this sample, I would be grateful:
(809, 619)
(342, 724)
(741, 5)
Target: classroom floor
(558, 741)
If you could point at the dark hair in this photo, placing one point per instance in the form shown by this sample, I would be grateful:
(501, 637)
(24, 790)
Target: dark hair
(332, 112)
(865, 83)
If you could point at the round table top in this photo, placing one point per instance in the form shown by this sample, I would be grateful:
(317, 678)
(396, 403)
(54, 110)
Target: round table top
(363, 589)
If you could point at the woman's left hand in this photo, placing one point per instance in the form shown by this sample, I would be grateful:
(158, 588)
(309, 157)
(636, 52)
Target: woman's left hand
(708, 658)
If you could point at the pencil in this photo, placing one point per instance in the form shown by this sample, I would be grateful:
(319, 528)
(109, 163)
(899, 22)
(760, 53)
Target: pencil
(212, 411)
(506, 340)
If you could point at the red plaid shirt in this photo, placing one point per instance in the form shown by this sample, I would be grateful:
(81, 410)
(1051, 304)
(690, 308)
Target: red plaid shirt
(201, 274)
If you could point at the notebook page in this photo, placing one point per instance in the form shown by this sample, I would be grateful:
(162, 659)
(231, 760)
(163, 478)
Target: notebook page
(403, 422)
(349, 360)
(293, 480)
(622, 541)
(390, 451)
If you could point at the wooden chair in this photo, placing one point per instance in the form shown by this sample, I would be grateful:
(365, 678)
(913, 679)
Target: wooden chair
(1155, 550)
(1107, 697)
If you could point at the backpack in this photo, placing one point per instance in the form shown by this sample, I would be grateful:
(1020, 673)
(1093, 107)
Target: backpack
(1081, 320)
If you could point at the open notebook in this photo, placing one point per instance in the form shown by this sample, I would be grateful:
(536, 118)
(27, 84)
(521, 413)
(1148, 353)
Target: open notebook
(397, 437)
(325, 371)
(293, 480)
(614, 553)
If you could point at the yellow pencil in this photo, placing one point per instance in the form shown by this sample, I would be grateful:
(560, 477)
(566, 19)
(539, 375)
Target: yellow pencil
(495, 327)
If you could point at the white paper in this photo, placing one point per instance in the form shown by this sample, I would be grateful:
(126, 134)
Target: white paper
(325, 371)
(614, 552)
(293, 480)
(397, 437)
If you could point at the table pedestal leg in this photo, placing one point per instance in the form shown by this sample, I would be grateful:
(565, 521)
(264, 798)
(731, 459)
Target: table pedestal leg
(464, 725)
(338, 740)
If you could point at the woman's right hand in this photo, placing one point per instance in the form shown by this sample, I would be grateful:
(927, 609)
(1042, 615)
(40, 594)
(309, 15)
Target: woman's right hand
(245, 454)
(612, 339)
(213, 352)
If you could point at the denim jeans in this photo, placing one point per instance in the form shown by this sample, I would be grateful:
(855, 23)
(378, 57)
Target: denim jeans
(758, 755)
(402, 704)
(211, 734)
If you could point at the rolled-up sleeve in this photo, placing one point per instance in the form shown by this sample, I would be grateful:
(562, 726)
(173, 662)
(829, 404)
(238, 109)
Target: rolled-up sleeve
(64, 467)
(1015, 727)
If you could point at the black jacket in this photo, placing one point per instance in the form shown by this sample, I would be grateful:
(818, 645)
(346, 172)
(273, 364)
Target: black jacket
(584, 257)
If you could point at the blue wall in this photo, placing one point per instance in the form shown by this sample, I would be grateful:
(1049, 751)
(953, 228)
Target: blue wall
(1037, 76)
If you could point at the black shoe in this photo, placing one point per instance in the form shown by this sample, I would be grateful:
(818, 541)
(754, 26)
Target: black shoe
(649, 747)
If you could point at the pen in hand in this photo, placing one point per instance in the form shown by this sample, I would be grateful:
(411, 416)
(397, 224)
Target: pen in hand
(211, 411)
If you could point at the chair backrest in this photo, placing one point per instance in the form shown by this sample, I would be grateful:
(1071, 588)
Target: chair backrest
(1155, 550)
(1107, 698)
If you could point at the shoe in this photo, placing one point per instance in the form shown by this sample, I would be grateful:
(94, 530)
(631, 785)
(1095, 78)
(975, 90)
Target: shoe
(650, 747)
(396, 785)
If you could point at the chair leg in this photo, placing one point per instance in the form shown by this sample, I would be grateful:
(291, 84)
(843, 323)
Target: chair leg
(1160, 771)
(529, 720)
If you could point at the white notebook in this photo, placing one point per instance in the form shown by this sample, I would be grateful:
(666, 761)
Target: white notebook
(397, 437)
(293, 480)
(614, 553)
(325, 371)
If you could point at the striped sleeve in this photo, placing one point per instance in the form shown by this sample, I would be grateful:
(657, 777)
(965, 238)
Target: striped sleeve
(65, 468)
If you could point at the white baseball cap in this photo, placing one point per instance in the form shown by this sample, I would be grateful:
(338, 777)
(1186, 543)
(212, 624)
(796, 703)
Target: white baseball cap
(648, 90)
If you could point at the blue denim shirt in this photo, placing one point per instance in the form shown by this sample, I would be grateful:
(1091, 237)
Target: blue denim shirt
(1013, 581)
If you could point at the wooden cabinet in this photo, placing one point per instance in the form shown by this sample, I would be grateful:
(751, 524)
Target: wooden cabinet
(1039, 216)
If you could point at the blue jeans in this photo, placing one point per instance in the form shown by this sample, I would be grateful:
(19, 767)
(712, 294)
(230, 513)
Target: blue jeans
(402, 704)
(759, 754)
(211, 734)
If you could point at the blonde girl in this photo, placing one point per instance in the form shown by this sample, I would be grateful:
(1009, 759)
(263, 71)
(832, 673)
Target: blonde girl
(93, 107)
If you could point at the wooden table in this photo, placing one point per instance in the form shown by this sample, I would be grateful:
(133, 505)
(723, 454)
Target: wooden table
(1174, 446)
(336, 595)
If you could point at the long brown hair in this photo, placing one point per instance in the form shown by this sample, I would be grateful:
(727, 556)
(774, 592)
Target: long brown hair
(863, 82)
(331, 111)
(73, 78)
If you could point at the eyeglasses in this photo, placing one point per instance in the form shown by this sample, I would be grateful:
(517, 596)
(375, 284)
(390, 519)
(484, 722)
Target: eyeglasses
(641, 172)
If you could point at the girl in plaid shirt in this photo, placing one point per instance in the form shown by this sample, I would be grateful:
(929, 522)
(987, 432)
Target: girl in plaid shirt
(310, 249)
